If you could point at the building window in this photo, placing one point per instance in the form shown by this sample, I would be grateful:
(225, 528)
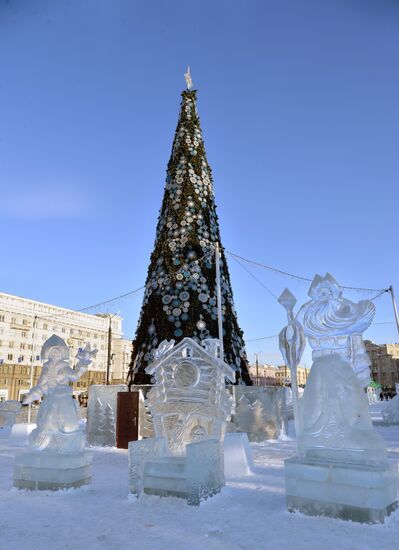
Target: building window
(13, 320)
(2, 318)
(24, 322)
(10, 344)
(45, 326)
(9, 356)
(63, 329)
(24, 334)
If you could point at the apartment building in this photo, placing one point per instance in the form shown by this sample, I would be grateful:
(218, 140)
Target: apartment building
(384, 363)
(26, 324)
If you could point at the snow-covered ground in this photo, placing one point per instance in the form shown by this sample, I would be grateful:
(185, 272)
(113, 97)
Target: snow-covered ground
(248, 514)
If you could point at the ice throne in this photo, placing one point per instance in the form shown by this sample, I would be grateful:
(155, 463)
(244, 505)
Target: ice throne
(190, 406)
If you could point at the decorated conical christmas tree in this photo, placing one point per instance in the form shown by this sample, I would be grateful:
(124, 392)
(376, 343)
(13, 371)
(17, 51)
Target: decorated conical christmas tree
(180, 296)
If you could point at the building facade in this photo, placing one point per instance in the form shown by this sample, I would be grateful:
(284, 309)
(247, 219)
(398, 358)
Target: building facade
(268, 375)
(384, 363)
(26, 324)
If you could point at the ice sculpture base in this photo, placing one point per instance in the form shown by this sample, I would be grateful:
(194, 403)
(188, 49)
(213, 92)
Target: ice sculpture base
(51, 471)
(238, 460)
(346, 491)
(166, 477)
(194, 477)
(19, 436)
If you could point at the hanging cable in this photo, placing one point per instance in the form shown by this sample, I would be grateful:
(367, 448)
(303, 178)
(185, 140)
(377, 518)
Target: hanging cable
(51, 317)
(261, 338)
(299, 277)
(256, 279)
(112, 299)
(378, 295)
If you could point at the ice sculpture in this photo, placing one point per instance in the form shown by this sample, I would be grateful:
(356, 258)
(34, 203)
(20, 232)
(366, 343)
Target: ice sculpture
(260, 411)
(390, 414)
(238, 461)
(334, 324)
(341, 469)
(189, 400)
(336, 423)
(189, 405)
(55, 457)
(205, 470)
(8, 412)
(102, 402)
(146, 428)
(96, 435)
(140, 452)
(107, 427)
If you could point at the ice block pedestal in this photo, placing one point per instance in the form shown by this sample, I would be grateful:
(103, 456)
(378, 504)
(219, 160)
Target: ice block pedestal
(353, 492)
(51, 470)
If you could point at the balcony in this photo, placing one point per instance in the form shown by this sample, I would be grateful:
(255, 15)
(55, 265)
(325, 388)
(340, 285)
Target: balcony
(20, 326)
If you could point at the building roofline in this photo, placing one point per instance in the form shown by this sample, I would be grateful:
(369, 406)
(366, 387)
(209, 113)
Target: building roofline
(67, 310)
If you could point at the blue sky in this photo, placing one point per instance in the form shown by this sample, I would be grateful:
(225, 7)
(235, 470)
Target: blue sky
(298, 101)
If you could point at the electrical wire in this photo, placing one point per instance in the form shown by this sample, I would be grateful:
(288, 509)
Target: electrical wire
(299, 277)
(51, 317)
(256, 279)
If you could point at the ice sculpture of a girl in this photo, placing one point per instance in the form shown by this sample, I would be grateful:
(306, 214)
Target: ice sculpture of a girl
(57, 420)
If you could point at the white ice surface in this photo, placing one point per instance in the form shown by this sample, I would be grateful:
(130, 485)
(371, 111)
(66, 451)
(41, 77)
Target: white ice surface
(19, 436)
(249, 513)
(238, 461)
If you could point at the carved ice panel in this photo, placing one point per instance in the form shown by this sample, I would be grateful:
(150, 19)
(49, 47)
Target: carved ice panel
(101, 414)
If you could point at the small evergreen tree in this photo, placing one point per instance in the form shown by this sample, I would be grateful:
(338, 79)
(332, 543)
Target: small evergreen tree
(107, 427)
(96, 422)
(244, 415)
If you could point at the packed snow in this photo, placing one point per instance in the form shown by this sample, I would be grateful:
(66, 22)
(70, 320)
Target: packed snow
(249, 513)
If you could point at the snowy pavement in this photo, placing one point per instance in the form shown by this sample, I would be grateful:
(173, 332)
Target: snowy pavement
(248, 514)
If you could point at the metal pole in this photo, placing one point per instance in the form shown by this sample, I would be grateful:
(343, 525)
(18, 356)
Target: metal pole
(109, 350)
(257, 371)
(395, 309)
(32, 364)
(219, 300)
(109, 354)
(257, 366)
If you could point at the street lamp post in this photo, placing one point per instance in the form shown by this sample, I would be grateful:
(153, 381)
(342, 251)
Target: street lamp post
(109, 350)
(32, 364)
(257, 353)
